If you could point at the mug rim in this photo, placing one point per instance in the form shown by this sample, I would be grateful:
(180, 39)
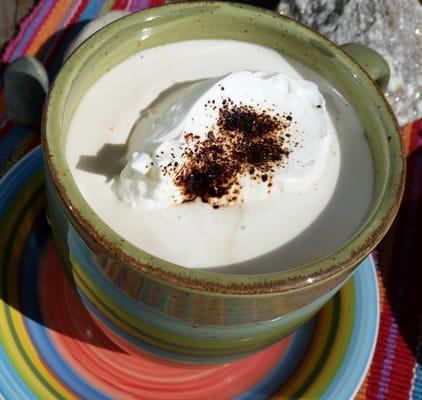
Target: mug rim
(345, 257)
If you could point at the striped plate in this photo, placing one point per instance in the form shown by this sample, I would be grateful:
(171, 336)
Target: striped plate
(50, 348)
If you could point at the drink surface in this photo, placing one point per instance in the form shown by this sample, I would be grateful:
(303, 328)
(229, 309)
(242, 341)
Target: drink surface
(268, 235)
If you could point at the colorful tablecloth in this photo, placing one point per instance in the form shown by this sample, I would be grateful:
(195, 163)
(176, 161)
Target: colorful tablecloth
(396, 369)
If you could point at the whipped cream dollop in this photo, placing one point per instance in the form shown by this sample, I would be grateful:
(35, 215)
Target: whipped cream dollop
(239, 138)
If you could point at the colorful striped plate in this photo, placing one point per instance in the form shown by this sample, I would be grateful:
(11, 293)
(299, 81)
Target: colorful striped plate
(50, 347)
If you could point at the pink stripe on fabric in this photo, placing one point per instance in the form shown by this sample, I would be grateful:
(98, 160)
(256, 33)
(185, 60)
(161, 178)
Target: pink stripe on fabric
(36, 24)
(22, 29)
(139, 4)
(388, 361)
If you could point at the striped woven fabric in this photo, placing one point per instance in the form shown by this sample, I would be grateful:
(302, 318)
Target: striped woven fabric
(396, 370)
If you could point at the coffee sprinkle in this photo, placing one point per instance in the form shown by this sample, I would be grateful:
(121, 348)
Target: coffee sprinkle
(244, 142)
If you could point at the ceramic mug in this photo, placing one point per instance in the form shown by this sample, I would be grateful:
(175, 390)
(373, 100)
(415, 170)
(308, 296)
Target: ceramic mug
(145, 303)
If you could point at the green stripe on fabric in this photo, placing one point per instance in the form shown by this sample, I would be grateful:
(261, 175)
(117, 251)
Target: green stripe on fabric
(106, 6)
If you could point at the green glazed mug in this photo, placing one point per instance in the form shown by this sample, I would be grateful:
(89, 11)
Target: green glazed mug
(143, 302)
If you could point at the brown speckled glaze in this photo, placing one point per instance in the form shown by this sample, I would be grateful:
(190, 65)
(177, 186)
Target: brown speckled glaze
(180, 313)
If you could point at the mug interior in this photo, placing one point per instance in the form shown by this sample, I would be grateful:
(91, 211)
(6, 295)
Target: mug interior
(190, 21)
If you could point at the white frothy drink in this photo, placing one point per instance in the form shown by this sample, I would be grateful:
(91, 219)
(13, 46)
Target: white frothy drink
(157, 115)
(241, 138)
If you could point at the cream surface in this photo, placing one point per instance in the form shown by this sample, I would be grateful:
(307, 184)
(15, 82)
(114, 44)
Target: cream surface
(267, 235)
(160, 138)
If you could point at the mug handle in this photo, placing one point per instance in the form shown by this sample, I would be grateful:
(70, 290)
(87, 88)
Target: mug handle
(25, 89)
(372, 62)
(26, 80)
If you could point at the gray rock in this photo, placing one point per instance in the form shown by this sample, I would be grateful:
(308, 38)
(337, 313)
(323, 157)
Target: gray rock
(391, 27)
